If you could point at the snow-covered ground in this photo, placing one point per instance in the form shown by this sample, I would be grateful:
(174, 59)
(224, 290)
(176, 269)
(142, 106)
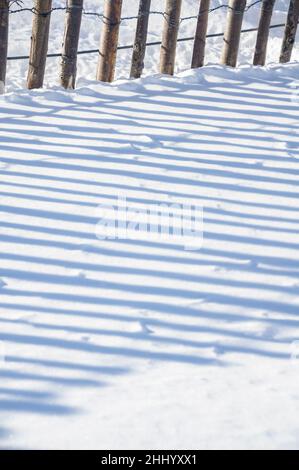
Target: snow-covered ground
(142, 344)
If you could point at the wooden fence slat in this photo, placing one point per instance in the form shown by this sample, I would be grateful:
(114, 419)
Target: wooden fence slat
(39, 43)
(232, 32)
(140, 39)
(170, 35)
(200, 35)
(4, 15)
(109, 40)
(70, 43)
(263, 32)
(290, 32)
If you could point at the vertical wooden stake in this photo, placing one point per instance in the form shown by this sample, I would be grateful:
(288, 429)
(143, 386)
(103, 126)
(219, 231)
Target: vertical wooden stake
(232, 32)
(170, 36)
(4, 14)
(140, 39)
(290, 32)
(263, 32)
(39, 43)
(70, 43)
(109, 40)
(200, 35)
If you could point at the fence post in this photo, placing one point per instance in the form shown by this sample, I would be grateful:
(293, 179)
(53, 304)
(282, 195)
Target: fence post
(200, 35)
(290, 32)
(263, 32)
(70, 43)
(39, 43)
(109, 40)
(232, 32)
(140, 39)
(170, 35)
(4, 14)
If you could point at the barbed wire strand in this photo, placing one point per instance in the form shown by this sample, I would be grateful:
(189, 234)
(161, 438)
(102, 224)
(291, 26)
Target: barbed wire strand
(102, 16)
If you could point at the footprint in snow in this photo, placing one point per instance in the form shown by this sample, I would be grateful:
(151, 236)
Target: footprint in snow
(82, 275)
(219, 350)
(86, 339)
(252, 263)
(4, 166)
(82, 248)
(197, 302)
(144, 328)
(265, 314)
(141, 327)
(269, 332)
(292, 145)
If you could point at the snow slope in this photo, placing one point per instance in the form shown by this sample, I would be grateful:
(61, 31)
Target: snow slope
(127, 344)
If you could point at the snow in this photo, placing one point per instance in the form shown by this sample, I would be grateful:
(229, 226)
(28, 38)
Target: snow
(142, 344)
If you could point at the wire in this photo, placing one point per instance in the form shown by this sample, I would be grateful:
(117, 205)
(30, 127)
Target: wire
(102, 17)
(153, 43)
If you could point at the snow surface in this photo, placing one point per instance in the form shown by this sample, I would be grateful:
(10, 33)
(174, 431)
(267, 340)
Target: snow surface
(126, 344)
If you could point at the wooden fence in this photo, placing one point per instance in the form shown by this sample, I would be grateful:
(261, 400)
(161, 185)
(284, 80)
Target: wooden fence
(108, 47)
